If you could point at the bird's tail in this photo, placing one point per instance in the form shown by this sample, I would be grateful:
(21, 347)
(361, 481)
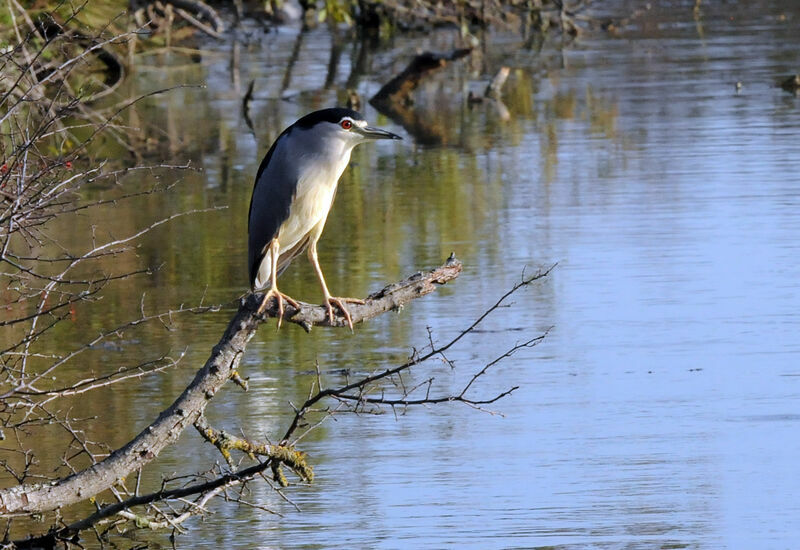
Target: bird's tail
(261, 275)
(261, 278)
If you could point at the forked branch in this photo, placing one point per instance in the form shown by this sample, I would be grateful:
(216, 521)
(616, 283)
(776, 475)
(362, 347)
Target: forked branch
(364, 385)
(187, 408)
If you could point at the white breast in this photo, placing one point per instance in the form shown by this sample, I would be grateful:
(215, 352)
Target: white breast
(316, 188)
(317, 162)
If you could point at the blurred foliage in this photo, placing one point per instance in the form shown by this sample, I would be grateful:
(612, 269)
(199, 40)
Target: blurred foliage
(376, 15)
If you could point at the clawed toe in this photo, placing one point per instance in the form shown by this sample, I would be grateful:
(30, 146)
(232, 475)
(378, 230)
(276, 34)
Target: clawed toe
(280, 297)
(340, 303)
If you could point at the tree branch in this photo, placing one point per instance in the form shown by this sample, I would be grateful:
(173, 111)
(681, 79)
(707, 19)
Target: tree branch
(220, 366)
(417, 359)
(391, 297)
(226, 442)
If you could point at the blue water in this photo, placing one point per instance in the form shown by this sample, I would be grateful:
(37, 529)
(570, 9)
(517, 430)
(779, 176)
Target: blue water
(661, 411)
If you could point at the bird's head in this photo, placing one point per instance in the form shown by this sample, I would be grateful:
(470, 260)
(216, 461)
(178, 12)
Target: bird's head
(345, 126)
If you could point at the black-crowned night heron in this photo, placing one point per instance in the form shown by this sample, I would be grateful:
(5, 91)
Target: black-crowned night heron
(293, 193)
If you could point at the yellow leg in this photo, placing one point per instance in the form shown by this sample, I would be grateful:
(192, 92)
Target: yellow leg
(274, 249)
(330, 301)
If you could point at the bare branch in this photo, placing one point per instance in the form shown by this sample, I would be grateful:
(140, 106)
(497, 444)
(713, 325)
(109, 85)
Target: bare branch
(416, 358)
(224, 359)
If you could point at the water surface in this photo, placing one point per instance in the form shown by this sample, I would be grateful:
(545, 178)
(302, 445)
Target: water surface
(662, 408)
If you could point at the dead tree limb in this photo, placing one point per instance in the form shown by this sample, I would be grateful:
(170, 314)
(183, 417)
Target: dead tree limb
(195, 12)
(394, 99)
(226, 442)
(791, 84)
(284, 455)
(186, 410)
(360, 385)
(492, 94)
(391, 297)
(206, 490)
(400, 87)
(201, 9)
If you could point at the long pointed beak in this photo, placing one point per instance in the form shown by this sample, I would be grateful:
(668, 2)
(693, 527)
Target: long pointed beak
(376, 133)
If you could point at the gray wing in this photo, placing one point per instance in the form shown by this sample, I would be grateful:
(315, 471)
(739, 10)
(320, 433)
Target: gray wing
(270, 203)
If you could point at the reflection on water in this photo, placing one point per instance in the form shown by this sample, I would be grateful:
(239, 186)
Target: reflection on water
(661, 411)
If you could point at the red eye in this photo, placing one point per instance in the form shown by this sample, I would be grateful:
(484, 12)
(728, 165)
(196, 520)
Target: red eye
(346, 124)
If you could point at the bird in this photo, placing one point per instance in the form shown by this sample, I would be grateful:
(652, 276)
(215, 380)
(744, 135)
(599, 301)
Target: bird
(293, 193)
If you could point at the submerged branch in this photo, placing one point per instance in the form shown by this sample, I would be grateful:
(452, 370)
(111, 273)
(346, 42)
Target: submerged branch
(395, 99)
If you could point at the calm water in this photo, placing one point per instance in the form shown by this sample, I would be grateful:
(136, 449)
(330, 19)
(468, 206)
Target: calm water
(662, 409)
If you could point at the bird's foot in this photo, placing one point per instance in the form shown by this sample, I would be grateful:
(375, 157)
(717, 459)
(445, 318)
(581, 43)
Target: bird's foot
(280, 297)
(340, 303)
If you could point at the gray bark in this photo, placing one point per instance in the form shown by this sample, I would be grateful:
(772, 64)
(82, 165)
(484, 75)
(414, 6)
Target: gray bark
(220, 366)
